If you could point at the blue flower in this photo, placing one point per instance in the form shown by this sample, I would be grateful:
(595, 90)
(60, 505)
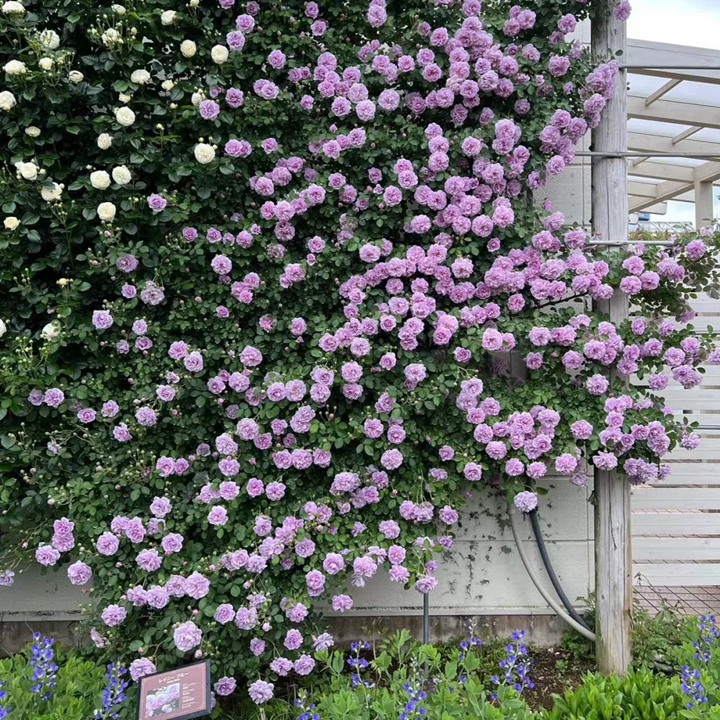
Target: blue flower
(114, 693)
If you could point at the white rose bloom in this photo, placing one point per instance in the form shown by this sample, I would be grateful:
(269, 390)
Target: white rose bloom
(11, 222)
(13, 8)
(15, 67)
(45, 63)
(204, 153)
(100, 180)
(125, 116)
(168, 17)
(167, 85)
(106, 211)
(104, 141)
(3, 328)
(194, 3)
(140, 77)
(188, 48)
(121, 175)
(27, 170)
(75, 76)
(32, 131)
(51, 193)
(197, 98)
(111, 37)
(118, 9)
(50, 332)
(219, 54)
(123, 98)
(7, 100)
(50, 39)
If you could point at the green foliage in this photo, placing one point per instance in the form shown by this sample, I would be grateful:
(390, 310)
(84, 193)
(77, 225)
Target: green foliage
(640, 695)
(658, 640)
(408, 680)
(76, 695)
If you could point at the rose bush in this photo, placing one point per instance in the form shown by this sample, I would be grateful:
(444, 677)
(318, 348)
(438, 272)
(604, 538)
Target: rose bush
(265, 268)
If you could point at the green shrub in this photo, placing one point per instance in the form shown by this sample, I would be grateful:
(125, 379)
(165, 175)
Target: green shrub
(42, 684)
(640, 695)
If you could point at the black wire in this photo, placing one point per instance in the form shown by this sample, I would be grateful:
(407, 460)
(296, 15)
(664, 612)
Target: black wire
(551, 573)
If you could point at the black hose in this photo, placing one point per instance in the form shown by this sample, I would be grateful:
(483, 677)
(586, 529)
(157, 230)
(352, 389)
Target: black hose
(551, 573)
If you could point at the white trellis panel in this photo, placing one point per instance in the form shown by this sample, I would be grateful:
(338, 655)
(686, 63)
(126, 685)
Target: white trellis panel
(676, 522)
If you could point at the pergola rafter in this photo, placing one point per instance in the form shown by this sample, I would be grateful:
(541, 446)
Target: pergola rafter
(677, 113)
(667, 121)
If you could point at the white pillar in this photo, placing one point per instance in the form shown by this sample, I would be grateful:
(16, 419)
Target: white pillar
(703, 204)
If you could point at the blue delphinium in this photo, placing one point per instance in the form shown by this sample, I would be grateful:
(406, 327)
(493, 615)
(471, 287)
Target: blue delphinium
(44, 668)
(515, 665)
(708, 633)
(691, 684)
(4, 707)
(358, 664)
(415, 696)
(302, 702)
(114, 693)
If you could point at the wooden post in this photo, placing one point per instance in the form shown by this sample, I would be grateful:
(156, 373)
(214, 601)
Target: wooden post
(613, 557)
(704, 200)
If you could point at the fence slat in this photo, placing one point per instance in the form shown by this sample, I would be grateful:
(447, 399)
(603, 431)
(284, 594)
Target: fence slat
(665, 524)
(677, 574)
(655, 498)
(693, 549)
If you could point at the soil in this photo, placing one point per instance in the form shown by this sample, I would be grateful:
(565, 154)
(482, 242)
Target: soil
(554, 671)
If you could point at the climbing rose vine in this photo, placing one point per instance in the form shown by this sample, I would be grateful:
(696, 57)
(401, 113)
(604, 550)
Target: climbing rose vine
(270, 271)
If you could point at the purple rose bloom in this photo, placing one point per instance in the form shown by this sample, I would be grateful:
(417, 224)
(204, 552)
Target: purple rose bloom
(146, 416)
(260, 691)
(47, 555)
(224, 614)
(79, 573)
(526, 501)
(113, 615)
(208, 109)
(157, 203)
(53, 397)
(141, 667)
(225, 686)
(102, 319)
(187, 636)
(86, 415)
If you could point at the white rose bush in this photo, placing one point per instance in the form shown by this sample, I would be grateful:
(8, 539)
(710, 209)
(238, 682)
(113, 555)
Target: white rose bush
(265, 266)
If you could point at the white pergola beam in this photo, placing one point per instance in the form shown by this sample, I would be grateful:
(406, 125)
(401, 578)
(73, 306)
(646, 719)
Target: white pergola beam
(685, 134)
(661, 171)
(643, 142)
(642, 190)
(674, 112)
(647, 194)
(677, 188)
(709, 172)
(663, 90)
(645, 54)
(659, 209)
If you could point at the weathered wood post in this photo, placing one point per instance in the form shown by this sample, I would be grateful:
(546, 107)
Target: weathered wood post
(613, 558)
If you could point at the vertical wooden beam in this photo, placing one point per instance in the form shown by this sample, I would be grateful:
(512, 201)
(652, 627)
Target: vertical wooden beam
(703, 204)
(613, 557)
